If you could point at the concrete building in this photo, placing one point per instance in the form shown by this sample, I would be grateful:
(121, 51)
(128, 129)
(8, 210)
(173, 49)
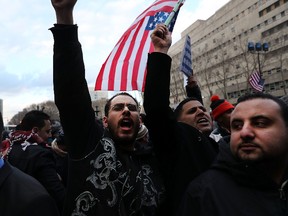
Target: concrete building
(221, 61)
(97, 95)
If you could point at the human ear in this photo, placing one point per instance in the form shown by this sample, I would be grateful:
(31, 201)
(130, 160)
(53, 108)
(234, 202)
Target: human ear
(105, 121)
(35, 129)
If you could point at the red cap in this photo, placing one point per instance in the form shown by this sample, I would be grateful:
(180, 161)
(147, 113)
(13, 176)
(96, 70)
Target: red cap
(219, 106)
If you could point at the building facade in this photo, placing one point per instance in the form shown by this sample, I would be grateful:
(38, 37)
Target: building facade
(99, 99)
(221, 61)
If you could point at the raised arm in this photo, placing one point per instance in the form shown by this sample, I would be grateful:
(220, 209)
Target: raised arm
(70, 87)
(160, 118)
(157, 88)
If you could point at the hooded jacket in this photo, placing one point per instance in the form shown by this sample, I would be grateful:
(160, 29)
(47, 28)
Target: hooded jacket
(234, 187)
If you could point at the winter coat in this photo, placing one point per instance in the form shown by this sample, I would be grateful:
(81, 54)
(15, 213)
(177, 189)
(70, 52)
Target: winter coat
(22, 195)
(103, 179)
(183, 151)
(232, 187)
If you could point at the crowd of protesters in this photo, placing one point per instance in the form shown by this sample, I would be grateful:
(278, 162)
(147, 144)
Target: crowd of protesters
(229, 160)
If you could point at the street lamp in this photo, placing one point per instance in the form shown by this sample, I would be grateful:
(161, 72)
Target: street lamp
(258, 48)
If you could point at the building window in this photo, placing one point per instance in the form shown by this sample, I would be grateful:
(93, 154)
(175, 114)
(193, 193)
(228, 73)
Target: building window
(277, 4)
(260, 13)
(268, 9)
(278, 70)
(272, 86)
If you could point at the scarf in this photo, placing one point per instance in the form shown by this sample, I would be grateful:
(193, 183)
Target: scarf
(23, 138)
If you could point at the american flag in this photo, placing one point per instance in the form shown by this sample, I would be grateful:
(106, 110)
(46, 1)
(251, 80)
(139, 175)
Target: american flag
(256, 81)
(125, 67)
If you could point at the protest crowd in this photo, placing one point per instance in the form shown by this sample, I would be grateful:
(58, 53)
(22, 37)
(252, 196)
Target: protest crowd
(228, 159)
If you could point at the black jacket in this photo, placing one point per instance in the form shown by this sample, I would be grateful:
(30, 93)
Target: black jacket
(194, 92)
(39, 162)
(22, 195)
(103, 179)
(182, 150)
(232, 187)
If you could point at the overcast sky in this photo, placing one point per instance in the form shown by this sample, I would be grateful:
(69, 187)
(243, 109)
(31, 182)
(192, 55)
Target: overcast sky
(26, 46)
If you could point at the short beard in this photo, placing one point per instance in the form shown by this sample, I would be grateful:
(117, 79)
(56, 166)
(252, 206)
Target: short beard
(122, 141)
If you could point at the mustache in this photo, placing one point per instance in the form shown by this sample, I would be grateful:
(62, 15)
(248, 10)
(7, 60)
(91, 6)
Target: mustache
(247, 143)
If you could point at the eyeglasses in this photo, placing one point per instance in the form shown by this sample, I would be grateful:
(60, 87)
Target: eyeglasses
(121, 106)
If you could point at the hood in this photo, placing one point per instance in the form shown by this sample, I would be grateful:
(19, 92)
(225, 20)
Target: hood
(245, 173)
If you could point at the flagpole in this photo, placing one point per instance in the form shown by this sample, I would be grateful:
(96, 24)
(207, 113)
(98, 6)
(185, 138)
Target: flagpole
(175, 9)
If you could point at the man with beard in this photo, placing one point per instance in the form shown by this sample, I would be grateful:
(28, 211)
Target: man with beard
(181, 138)
(250, 175)
(108, 175)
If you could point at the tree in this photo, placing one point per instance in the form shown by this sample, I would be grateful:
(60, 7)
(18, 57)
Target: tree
(202, 71)
(48, 107)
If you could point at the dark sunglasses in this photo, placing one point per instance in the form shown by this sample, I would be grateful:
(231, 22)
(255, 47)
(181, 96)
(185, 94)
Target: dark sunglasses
(121, 106)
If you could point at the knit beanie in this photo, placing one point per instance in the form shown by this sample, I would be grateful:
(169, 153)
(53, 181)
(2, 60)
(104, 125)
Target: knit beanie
(219, 106)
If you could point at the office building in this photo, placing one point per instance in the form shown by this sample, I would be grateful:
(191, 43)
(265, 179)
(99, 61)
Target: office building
(221, 61)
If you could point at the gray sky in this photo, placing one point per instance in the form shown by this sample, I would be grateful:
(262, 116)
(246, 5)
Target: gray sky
(26, 46)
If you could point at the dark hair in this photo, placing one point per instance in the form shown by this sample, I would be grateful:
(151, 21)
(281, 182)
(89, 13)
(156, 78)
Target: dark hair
(108, 104)
(178, 109)
(260, 95)
(34, 118)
